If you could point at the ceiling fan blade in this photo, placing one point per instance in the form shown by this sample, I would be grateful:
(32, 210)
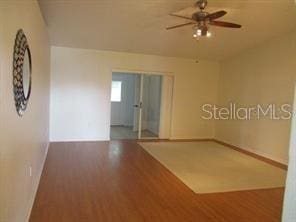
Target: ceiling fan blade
(181, 16)
(225, 24)
(177, 26)
(216, 15)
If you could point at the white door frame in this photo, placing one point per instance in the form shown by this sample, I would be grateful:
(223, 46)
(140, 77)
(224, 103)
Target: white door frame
(140, 106)
(166, 110)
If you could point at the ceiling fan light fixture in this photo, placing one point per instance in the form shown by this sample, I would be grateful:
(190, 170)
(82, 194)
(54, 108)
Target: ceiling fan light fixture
(199, 34)
(202, 20)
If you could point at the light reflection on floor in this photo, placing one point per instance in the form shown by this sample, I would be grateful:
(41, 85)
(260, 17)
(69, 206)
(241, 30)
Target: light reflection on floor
(122, 132)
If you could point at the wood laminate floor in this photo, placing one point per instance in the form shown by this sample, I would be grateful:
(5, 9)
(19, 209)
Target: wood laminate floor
(118, 181)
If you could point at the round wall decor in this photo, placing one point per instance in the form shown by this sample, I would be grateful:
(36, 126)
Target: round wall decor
(22, 69)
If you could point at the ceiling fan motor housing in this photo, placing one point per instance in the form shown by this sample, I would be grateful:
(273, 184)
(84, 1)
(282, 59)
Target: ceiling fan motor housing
(200, 16)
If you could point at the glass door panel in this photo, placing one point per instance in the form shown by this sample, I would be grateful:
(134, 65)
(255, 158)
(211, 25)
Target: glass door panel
(150, 106)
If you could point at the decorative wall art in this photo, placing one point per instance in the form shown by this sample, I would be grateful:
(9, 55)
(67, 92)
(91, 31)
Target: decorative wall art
(22, 71)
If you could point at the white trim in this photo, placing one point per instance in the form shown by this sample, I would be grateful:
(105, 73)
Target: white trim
(133, 71)
(140, 107)
(146, 72)
(166, 107)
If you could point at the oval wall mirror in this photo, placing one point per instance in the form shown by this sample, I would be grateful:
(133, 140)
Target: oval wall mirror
(22, 71)
(26, 74)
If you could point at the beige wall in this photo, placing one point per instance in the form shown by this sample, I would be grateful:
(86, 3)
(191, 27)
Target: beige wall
(81, 85)
(265, 74)
(23, 141)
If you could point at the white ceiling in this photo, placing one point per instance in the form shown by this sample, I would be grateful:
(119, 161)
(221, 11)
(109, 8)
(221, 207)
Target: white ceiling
(139, 25)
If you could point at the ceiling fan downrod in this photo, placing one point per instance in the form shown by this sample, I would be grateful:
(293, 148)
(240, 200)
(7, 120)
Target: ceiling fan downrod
(202, 4)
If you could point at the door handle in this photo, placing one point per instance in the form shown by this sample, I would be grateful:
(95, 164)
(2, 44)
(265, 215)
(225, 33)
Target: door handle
(138, 105)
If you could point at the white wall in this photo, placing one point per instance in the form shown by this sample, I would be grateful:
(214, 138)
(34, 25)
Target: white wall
(23, 140)
(263, 75)
(81, 86)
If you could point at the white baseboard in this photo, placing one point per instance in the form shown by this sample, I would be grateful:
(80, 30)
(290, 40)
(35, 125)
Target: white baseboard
(36, 185)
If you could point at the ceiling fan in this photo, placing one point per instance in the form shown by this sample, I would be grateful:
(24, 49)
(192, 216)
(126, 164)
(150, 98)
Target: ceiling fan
(202, 19)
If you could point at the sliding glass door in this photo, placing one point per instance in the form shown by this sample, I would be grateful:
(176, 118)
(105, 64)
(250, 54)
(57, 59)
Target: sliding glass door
(135, 106)
(147, 106)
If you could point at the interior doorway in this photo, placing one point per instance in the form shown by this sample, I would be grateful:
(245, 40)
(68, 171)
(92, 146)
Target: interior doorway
(136, 106)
